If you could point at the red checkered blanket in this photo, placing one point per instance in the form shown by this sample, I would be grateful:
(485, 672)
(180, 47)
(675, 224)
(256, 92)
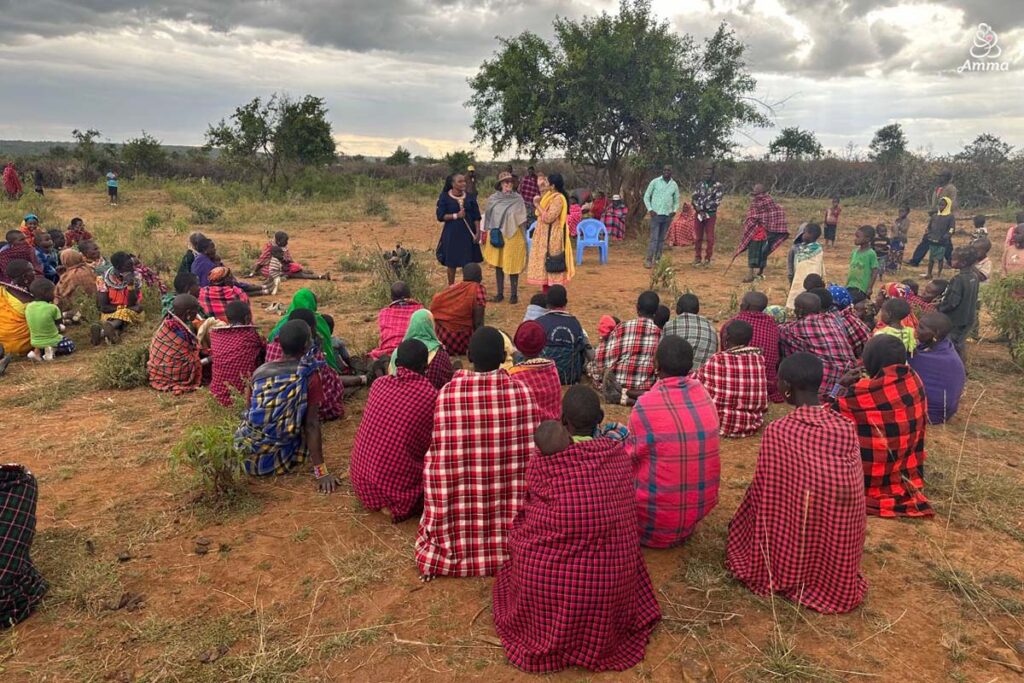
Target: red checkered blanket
(575, 590)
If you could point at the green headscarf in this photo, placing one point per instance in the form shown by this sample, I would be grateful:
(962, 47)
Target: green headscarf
(305, 298)
(421, 326)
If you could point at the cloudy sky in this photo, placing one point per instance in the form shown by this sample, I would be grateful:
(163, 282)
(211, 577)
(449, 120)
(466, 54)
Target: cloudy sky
(394, 71)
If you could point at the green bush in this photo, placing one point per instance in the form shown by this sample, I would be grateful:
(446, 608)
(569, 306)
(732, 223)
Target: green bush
(209, 451)
(1004, 299)
(203, 213)
(376, 205)
(377, 293)
(122, 367)
(151, 221)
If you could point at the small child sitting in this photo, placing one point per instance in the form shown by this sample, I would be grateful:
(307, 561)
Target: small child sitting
(551, 437)
(46, 255)
(979, 228)
(606, 325)
(44, 323)
(275, 270)
(891, 315)
(237, 350)
(736, 380)
(184, 283)
(538, 306)
(662, 316)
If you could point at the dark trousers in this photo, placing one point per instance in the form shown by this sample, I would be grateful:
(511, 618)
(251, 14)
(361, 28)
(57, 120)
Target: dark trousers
(921, 250)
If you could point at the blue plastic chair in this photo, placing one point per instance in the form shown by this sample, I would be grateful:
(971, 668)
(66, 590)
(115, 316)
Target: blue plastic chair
(591, 233)
(529, 235)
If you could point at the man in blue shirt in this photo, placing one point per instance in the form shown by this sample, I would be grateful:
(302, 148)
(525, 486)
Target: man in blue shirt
(662, 202)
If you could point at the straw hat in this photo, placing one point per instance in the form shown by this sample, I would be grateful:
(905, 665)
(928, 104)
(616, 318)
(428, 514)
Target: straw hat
(503, 176)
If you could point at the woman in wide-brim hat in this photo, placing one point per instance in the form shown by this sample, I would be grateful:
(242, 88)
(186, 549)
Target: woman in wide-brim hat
(503, 237)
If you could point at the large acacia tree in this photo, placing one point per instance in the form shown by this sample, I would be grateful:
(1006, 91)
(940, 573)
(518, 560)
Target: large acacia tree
(614, 90)
(269, 138)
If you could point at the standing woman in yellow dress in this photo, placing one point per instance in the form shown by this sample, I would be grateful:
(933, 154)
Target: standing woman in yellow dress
(551, 261)
(504, 242)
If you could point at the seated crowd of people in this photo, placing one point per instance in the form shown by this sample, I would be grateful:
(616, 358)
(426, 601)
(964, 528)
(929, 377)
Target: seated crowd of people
(511, 475)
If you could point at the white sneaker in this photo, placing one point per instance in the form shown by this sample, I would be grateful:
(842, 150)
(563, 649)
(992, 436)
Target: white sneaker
(32, 356)
(48, 353)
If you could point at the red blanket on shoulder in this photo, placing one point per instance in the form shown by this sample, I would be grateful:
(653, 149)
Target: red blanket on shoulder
(575, 590)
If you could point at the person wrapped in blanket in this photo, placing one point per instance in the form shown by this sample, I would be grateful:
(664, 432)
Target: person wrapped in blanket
(799, 532)
(237, 350)
(174, 363)
(574, 590)
(119, 298)
(281, 425)
(887, 402)
(21, 585)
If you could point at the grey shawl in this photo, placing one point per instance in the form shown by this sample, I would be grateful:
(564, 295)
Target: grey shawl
(509, 209)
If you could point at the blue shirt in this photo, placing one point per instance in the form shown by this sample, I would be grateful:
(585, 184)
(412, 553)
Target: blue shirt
(662, 197)
(111, 180)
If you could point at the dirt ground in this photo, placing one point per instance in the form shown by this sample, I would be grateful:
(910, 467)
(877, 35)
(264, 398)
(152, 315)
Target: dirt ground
(299, 586)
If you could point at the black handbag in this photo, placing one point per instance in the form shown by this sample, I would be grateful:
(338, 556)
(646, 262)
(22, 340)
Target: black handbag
(553, 264)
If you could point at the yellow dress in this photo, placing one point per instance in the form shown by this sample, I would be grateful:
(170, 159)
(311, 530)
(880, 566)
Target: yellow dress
(14, 333)
(551, 220)
(511, 258)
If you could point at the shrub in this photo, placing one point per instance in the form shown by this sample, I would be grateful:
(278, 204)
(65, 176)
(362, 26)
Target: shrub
(325, 292)
(247, 255)
(209, 451)
(122, 367)
(151, 221)
(377, 292)
(202, 212)
(376, 205)
(1005, 300)
(663, 278)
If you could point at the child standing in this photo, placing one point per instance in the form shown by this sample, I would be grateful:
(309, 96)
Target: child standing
(982, 246)
(898, 241)
(808, 260)
(275, 270)
(960, 302)
(832, 221)
(880, 244)
(940, 227)
(892, 313)
(863, 261)
(43, 318)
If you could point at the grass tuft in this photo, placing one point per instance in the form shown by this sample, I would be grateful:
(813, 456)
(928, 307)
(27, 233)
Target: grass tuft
(122, 367)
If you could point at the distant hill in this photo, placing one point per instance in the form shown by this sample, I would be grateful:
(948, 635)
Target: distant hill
(33, 148)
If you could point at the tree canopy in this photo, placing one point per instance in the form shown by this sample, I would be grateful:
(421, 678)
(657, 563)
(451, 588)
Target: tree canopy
(795, 143)
(270, 138)
(889, 144)
(400, 157)
(614, 89)
(144, 153)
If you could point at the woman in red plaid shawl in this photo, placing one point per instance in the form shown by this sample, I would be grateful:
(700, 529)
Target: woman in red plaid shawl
(473, 474)
(799, 531)
(889, 407)
(575, 589)
(174, 364)
(539, 375)
(393, 319)
(221, 291)
(237, 350)
(21, 585)
(736, 381)
(764, 229)
(818, 332)
(386, 466)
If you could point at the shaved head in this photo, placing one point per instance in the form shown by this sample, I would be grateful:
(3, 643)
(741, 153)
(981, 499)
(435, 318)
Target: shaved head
(754, 301)
(807, 304)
